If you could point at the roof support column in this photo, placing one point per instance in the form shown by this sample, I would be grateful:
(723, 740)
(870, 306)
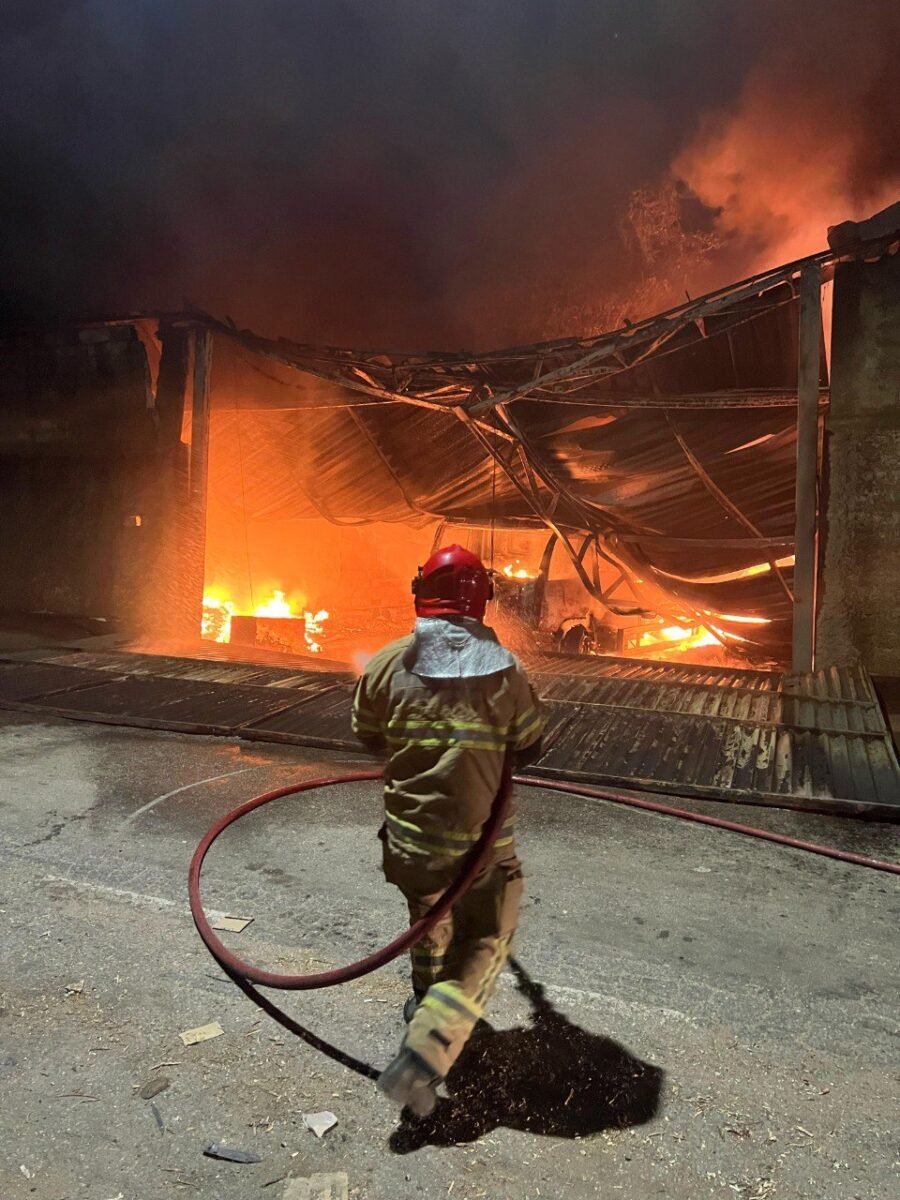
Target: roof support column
(806, 488)
(198, 476)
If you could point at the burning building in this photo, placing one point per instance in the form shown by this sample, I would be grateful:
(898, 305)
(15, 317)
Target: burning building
(714, 485)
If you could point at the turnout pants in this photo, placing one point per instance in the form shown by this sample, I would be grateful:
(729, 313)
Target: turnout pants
(455, 966)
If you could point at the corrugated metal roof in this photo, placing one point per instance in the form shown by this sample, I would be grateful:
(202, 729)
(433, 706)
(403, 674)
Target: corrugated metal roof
(213, 669)
(603, 666)
(816, 742)
(812, 741)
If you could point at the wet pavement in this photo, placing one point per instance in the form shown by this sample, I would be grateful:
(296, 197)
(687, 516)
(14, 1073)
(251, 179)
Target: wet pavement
(698, 1014)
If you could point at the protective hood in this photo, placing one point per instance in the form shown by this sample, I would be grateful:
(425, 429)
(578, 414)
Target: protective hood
(455, 648)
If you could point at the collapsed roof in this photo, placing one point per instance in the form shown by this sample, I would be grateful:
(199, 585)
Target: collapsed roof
(669, 444)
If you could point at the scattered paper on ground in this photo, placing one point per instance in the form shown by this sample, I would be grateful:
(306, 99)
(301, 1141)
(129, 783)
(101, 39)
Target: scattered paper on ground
(333, 1186)
(232, 924)
(320, 1122)
(75, 989)
(202, 1033)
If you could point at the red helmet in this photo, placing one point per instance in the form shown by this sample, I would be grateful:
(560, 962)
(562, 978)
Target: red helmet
(454, 582)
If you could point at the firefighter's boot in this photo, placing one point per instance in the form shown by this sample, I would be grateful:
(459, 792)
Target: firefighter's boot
(409, 1008)
(410, 1082)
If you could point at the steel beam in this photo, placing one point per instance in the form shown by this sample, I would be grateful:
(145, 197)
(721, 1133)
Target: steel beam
(806, 493)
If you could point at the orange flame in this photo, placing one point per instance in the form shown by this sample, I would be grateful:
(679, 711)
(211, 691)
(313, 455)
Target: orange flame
(218, 610)
(678, 638)
(215, 622)
(517, 571)
(276, 607)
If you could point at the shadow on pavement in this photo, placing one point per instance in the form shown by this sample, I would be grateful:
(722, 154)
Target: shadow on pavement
(550, 1077)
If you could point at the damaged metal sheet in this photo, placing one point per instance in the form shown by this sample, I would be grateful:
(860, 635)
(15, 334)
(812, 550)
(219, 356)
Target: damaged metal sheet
(816, 742)
(206, 706)
(20, 681)
(209, 669)
(323, 720)
(606, 666)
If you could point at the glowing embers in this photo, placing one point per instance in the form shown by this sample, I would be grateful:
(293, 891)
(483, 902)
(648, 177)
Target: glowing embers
(278, 624)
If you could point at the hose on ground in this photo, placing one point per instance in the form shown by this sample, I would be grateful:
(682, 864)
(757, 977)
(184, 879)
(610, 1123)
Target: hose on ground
(245, 975)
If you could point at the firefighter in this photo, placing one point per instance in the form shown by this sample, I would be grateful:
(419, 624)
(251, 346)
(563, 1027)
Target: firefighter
(445, 707)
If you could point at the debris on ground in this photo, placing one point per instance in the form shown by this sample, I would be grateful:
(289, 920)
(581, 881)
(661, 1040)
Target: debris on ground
(153, 1087)
(320, 1122)
(217, 1150)
(75, 989)
(202, 1033)
(333, 1186)
(232, 924)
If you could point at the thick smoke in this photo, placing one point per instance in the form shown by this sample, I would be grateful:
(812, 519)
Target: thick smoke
(812, 140)
(411, 173)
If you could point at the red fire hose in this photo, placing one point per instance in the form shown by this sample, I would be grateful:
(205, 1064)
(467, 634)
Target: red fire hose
(471, 867)
(245, 976)
(303, 983)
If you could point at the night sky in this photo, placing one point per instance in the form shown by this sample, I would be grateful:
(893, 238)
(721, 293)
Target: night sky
(414, 173)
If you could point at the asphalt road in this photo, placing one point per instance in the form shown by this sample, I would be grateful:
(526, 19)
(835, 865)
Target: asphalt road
(715, 1017)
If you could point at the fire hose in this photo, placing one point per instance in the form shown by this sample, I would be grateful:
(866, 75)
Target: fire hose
(245, 975)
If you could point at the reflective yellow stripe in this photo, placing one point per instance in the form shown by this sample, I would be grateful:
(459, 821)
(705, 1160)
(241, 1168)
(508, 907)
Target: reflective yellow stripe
(455, 835)
(400, 821)
(448, 996)
(527, 717)
(443, 723)
(438, 849)
(423, 844)
(454, 742)
(524, 736)
(446, 835)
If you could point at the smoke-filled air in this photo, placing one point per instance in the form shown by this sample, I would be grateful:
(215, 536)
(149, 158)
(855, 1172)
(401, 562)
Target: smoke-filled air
(412, 174)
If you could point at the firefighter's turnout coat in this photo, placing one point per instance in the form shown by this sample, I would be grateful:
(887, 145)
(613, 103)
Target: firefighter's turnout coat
(444, 707)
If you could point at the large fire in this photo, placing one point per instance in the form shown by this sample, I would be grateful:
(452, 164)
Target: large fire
(218, 611)
(670, 639)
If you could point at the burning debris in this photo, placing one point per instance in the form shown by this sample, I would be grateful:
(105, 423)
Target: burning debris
(215, 625)
(275, 624)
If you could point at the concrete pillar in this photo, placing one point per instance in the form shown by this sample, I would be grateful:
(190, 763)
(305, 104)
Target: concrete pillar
(859, 582)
